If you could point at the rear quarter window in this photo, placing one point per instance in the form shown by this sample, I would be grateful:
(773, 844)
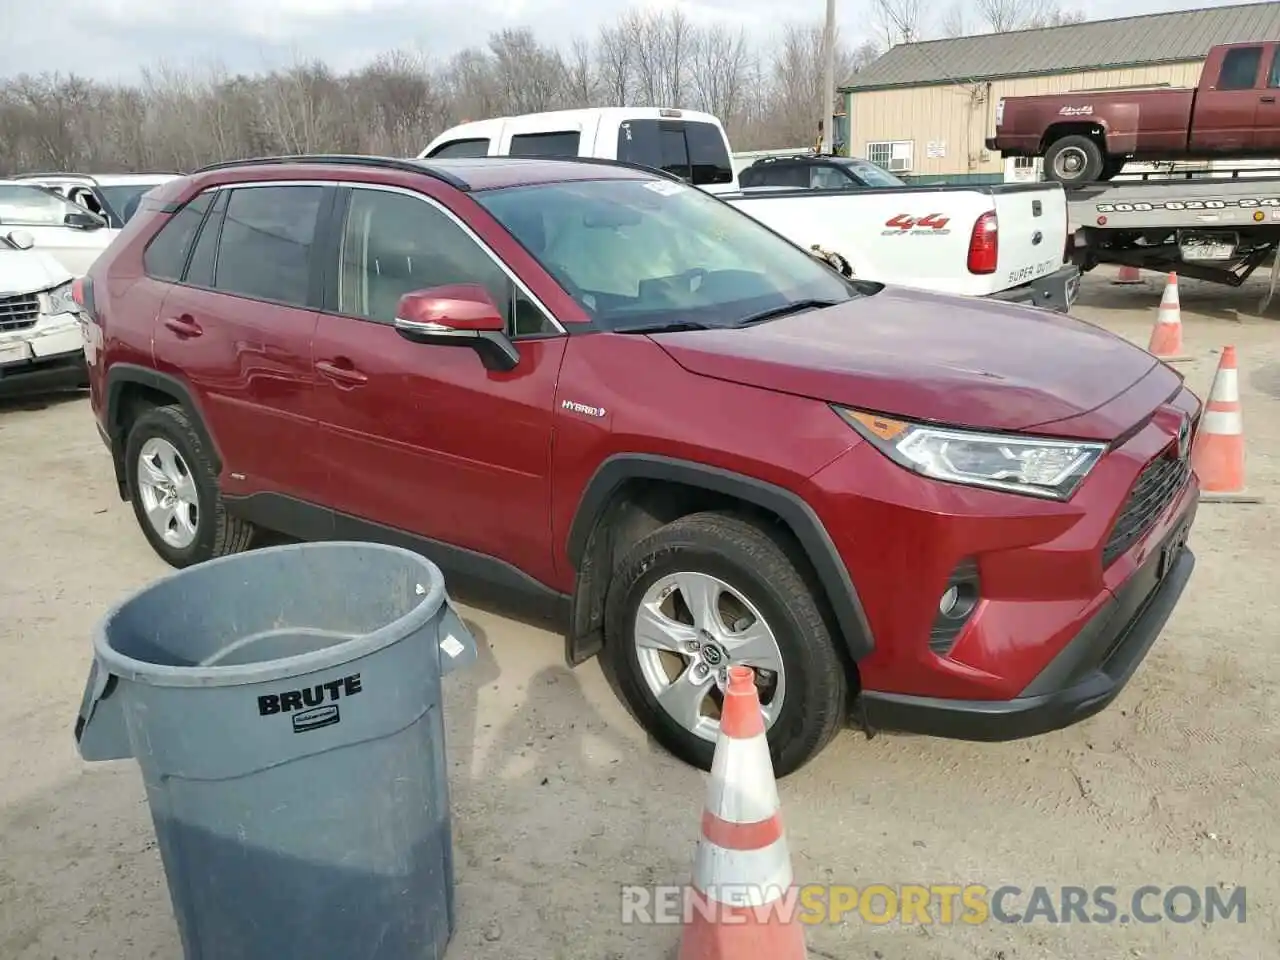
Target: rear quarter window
(462, 148)
(166, 254)
(562, 144)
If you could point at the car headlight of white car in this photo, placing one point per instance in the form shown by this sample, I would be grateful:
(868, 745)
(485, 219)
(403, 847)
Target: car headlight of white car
(1035, 466)
(59, 300)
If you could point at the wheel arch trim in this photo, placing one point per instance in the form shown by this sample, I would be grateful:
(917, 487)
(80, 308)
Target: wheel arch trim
(791, 509)
(122, 375)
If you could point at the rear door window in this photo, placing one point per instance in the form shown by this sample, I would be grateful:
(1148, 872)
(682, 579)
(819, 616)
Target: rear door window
(789, 175)
(205, 254)
(1240, 68)
(561, 144)
(166, 254)
(692, 150)
(267, 237)
(462, 148)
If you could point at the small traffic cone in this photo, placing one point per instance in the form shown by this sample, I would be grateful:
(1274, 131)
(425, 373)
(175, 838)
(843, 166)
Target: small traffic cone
(1166, 336)
(742, 904)
(1217, 456)
(1128, 275)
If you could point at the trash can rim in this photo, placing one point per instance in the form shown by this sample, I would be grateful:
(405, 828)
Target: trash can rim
(162, 675)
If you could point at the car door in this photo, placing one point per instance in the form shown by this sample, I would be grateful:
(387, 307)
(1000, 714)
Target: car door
(1267, 120)
(237, 328)
(1226, 108)
(424, 439)
(64, 230)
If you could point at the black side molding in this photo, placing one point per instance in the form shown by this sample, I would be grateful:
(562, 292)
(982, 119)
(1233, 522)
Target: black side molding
(791, 509)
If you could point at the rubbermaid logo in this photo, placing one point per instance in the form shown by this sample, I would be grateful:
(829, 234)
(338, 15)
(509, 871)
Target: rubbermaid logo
(325, 716)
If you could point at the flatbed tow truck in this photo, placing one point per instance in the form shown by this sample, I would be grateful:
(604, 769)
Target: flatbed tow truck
(1215, 225)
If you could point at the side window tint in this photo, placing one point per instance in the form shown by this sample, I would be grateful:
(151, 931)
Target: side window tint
(563, 144)
(675, 155)
(166, 255)
(825, 177)
(462, 148)
(1240, 68)
(393, 245)
(1273, 81)
(638, 143)
(267, 235)
(205, 254)
(708, 154)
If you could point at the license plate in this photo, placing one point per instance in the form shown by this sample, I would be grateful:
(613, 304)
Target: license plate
(1208, 251)
(14, 353)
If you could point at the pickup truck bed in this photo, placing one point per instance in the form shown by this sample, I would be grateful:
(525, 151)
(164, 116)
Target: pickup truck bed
(936, 238)
(1214, 228)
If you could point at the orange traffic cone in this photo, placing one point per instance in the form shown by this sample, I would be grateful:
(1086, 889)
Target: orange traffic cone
(1166, 336)
(1217, 456)
(1128, 275)
(743, 906)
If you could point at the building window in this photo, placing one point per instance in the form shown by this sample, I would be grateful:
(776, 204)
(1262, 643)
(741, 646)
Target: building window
(1024, 163)
(893, 155)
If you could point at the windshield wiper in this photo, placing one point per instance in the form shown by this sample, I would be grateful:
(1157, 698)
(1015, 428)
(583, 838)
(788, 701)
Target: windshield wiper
(673, 326)
(794, 307)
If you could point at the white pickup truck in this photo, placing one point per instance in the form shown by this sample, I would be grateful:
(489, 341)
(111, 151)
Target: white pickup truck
(1006, 241)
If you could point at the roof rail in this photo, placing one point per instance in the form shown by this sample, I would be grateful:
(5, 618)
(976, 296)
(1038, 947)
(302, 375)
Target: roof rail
(602, 162)
(63, 173)
(341, 159)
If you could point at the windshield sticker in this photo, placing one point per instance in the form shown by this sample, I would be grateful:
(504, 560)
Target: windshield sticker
(664, 188)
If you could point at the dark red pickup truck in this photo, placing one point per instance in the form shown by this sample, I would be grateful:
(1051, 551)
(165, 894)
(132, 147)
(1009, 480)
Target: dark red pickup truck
(1090, 134)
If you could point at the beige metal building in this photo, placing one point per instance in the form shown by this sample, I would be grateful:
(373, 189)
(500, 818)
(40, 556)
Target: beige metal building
(923, 110)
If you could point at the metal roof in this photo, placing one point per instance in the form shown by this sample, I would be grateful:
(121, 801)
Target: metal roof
(1095, 45)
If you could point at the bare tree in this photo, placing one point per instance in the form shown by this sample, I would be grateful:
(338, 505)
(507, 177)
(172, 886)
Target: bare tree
(1004, 15)
(581, 81)
(719, 64)
(953, 24)
(617, 64)
(898, 20)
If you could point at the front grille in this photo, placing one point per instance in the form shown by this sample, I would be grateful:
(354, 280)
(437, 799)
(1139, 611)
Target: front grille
(19, 313)
(1154, 490)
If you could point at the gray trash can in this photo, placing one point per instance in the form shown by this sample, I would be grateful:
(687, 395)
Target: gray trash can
(284, 707)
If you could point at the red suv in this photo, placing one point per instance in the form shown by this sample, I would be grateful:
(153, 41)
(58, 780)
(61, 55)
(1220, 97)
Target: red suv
(592, 383)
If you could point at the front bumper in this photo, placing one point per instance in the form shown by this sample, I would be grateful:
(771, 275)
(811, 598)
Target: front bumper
(52, 350)
(1056, 291)
(1085, 676)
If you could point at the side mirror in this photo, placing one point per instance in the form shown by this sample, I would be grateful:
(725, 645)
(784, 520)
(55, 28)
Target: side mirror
(20, 239)
(461, 314)
(84, 220)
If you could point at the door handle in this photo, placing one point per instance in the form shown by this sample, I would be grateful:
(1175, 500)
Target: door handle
(184, 326)
(341, 374)
(1267, 99)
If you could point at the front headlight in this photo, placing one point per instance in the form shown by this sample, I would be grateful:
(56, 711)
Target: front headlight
(1035, 466)
(60, 300)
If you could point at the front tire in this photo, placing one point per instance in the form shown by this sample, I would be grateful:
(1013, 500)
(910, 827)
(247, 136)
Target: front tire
(707, 591)
(174, 491)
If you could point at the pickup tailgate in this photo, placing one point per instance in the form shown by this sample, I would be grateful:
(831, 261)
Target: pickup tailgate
(920, 237)
(1033, 233)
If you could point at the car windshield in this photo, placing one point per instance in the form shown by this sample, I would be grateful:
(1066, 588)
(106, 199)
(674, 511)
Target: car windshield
(655, 253)
(25, 206)
(871, 174)
(123, 198)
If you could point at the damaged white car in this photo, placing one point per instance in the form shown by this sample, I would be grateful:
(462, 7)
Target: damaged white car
(41, 336)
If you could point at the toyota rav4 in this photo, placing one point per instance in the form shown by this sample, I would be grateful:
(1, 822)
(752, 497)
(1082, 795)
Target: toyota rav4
(592, 383)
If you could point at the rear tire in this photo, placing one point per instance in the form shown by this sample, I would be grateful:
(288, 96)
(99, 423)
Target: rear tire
(174, 491)
(1074, 160)
(750, 574)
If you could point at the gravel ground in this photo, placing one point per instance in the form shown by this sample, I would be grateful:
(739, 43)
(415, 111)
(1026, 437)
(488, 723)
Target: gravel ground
(559, 799)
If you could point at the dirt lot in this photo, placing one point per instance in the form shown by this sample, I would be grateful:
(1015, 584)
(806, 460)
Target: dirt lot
(558, 799)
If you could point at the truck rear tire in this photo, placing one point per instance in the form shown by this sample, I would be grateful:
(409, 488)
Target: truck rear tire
(1074, 160)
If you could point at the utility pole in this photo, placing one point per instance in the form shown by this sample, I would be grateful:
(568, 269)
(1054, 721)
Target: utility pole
(828, 79)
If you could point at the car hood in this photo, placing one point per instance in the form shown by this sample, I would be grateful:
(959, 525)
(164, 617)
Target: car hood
(961, 361)
(29, 271)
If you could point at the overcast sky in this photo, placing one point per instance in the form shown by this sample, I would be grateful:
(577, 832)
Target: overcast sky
(114, 39)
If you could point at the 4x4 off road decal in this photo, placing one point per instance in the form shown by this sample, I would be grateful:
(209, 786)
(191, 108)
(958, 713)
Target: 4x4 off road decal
(933, 224)
(1246, 203)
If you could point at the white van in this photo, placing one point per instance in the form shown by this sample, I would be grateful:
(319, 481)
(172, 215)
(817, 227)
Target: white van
(690, 144)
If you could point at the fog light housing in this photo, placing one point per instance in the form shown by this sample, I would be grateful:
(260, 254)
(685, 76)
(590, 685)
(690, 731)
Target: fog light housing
(956, 605)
